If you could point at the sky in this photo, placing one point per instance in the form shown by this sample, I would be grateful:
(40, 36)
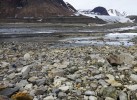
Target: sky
(129, 6)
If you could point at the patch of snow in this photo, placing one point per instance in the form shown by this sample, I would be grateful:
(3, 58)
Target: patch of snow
(123, 29)
(109, 19)
(113, 12)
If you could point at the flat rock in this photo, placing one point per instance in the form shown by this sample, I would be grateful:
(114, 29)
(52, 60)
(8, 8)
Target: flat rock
(123, 58)
(9, 91)
(131, 87)
(41, 81)
(64, 88)
(22, 83)
(32, 79)
(25, 71)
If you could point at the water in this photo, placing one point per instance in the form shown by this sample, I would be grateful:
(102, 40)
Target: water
(70, 35)
(108, 39)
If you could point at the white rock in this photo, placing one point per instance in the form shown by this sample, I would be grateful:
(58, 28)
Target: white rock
(111, 77)
(28, 86)
(101, 60)
(27, 56)
(108, 98)
(112, 81)
(35, 98)
(85, 97)
(4, 64)
(58, 80)
(57, 83)
(92, 98)
(49, 98)
(133, 77)
(64, 88)
(131, 87)
(25, 70)
(89, 93)
(32, 93)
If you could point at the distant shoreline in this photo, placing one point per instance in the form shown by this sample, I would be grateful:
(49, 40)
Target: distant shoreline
(69, 19)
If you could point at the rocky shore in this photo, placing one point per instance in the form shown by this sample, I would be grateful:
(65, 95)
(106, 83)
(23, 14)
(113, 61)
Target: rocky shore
(35, 71)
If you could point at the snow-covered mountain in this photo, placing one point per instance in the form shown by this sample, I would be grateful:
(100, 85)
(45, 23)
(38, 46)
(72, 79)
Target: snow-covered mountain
(114, 12)
(113, 17)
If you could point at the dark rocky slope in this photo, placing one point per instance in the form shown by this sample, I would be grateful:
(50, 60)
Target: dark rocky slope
(34, 8)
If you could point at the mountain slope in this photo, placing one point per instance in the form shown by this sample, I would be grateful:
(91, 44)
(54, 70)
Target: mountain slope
(103, 14)
(33, 8)
(113, 12)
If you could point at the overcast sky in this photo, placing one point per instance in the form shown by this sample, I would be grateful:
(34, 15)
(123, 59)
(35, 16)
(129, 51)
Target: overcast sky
(129, 6)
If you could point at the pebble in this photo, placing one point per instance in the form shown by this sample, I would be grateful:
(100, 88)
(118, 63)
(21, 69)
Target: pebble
(32, 79)
(64, 88)
(27, 56)
(41, 81)
(49, 98)
(39, 92)
(123, 96)
(62, 94)
(25, 71)
(22, 83)
(4, 64)
(28, 86)
(73, 77)
(92, 98)
(89, 93)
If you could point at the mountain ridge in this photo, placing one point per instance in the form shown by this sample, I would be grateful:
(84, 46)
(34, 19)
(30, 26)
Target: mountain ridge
(34, 8)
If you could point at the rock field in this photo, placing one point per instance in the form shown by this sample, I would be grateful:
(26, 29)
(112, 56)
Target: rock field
(35, 71)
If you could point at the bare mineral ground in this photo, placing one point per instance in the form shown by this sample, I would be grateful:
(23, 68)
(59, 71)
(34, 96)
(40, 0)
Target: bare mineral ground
(68, 61)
